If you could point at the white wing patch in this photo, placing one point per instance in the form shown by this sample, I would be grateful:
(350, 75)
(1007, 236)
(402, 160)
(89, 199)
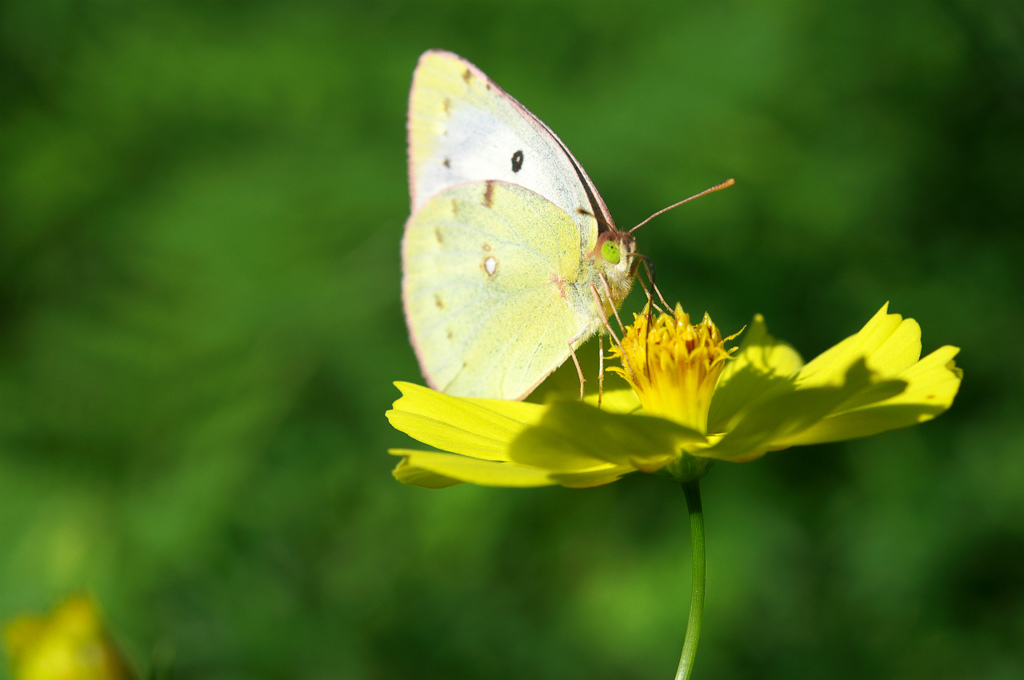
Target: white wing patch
(464, 128)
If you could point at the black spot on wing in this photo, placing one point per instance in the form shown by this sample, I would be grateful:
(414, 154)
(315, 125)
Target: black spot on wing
(517, 161)
(489, 194)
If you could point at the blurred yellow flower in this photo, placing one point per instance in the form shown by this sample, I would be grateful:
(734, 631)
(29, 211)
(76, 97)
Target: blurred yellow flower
(69, 644)
(693, 402)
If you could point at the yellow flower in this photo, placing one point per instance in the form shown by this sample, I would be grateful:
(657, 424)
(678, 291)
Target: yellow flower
(692, 402)
(69, 644)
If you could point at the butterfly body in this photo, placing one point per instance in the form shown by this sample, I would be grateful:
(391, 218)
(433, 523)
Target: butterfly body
(510, 257)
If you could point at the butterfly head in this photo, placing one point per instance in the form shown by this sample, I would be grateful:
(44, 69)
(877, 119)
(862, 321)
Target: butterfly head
(615, 255)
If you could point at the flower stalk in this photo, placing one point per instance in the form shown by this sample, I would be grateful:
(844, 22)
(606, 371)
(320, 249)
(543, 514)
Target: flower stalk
(691, 490)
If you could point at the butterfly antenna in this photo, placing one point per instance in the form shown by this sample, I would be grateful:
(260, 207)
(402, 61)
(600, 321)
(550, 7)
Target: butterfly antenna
(727, 183)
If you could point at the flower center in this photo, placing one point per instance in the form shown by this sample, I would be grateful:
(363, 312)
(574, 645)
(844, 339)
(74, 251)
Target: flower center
(673, 366)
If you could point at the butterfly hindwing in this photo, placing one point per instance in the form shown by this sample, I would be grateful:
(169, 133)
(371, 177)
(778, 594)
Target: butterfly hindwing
(493, 289)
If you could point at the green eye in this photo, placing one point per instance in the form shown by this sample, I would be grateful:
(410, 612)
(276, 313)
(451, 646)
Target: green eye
(610, 252)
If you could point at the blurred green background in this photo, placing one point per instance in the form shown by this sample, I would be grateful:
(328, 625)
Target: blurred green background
(200, 322)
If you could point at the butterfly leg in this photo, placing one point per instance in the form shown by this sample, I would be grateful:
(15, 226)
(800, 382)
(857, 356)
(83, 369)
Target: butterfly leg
(579, 371)
(608, 292)
(600, 337)
(651, 304)
(649, 268)
(600, 310)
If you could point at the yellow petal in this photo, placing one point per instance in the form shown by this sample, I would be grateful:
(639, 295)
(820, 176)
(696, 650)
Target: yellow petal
(931, 386)
(574, 437)
(870, 382)
(408, 473)
(888, 343)
(776, 419)
(588, 478)
(761, 364)
(615, 398)
(430, 469)
(481, 428)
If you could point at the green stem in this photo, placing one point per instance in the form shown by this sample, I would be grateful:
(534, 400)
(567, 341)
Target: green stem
(692, 492)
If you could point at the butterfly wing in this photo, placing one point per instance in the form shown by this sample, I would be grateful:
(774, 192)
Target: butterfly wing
(464, 128)
(494, 289)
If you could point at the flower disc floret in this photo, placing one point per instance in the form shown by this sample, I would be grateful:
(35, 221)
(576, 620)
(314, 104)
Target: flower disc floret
(673, 365)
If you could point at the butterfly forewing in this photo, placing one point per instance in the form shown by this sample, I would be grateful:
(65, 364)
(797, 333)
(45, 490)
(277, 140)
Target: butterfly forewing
(464, 128)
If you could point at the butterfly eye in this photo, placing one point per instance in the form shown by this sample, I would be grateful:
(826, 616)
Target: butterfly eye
(610, 252)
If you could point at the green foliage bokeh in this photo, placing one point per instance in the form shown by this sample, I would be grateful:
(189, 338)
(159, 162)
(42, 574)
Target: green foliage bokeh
(200, 321)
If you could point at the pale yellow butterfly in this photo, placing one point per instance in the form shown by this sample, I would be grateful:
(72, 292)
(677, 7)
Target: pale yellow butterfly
(510, 258)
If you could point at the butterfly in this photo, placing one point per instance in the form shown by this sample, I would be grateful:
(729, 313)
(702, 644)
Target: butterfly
(510, 257)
